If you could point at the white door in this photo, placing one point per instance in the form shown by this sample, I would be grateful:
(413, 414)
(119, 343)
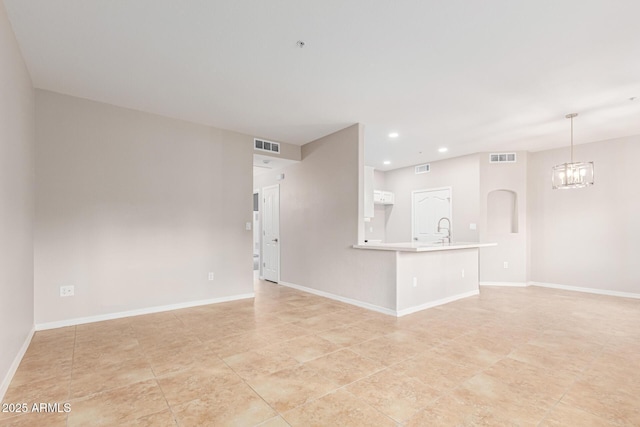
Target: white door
(271, 233)
(428, 207)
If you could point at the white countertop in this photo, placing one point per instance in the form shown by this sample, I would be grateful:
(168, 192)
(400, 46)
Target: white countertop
(421, 246)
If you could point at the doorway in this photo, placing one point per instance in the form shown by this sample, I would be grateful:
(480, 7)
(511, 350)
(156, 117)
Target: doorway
(256, 232)
(427, 208)
(271, 233)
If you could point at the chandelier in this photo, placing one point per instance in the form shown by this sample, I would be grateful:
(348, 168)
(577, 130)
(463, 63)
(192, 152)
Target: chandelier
(573, 174)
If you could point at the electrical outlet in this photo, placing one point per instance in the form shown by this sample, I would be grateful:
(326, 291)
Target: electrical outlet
(211, 276)
(463, 272)
(506, 264)
(67, 291)
(472, 226)
(415, 282)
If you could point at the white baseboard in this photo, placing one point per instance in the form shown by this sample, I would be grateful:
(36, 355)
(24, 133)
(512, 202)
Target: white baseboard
(357, 303)
(4, 385)
(587, 290)
(436, 303)
(138, 312)
(513, 284)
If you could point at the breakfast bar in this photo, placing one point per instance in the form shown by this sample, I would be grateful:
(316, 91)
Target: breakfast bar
(431, 274)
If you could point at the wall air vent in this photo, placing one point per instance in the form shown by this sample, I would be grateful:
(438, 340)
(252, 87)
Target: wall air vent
(262, 145)
(423, 168)
(502, 158)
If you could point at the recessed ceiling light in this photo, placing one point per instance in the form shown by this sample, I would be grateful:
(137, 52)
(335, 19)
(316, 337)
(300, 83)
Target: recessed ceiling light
(394, 135)
(443, 150)
(386, 162)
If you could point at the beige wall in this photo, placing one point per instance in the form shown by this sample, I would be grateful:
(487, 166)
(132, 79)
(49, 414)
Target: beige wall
(460, 173)
(319, 222)
(588, 237)
(16, 201)
(512, 247)
(135, 209)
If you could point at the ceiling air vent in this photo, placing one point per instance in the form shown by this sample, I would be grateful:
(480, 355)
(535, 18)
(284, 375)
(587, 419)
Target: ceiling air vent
(262, 145)
(502, 158)
(423, 168)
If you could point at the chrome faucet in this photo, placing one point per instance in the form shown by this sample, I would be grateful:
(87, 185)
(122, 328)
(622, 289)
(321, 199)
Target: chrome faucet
(440, 228)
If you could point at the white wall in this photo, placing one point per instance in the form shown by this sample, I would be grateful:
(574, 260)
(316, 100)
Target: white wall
(588, 237)
(135, 209)
(512, 247)
(16, 202)
(460, 173)
(319, 222)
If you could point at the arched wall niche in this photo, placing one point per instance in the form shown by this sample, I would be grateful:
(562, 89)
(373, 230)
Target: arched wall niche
(502, 211)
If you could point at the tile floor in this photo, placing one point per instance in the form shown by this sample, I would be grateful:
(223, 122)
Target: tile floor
(508, 357)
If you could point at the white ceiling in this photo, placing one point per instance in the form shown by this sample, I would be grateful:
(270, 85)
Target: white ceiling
(468, 75)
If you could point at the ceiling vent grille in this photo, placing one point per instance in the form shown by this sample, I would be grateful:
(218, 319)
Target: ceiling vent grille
(262, 145)
(502, 158)
(423, 168)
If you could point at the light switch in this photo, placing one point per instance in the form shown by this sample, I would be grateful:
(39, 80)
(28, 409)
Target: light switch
(247, 226)
(472, 226)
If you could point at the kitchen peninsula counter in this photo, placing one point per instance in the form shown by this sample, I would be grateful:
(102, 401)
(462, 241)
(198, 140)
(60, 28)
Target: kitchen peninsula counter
(421, 247)
(430, 274)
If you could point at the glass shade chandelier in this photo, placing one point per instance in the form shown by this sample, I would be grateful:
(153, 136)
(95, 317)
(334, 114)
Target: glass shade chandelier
(573, 174)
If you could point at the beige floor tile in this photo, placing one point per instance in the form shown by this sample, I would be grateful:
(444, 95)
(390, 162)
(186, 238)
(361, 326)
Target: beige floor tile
(44, 362)
(88, 379)
(552, 358)
(118, 406)
(504, 357)
(386, 351)
(449, 411)
(610, 404)
(274, 422)
(344, 366)
(260, 362)
(48, 390)
(282, 332)
(235, 405)
(346, 336)
(394, 394)
(107, 351)
(289, 388)
(336, 409)
(531, 379)
(508, 402)
(164, 361)
(436, 372)
(55, 338)
(35, 420)
(237, 344)
(191, 384)
(563, 415)
(306, 348)
(160, 419)
(322, 322)
(460, 352)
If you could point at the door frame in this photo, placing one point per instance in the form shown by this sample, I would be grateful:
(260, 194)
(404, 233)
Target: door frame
(259, 226)
(432, 189)
(262, 191)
